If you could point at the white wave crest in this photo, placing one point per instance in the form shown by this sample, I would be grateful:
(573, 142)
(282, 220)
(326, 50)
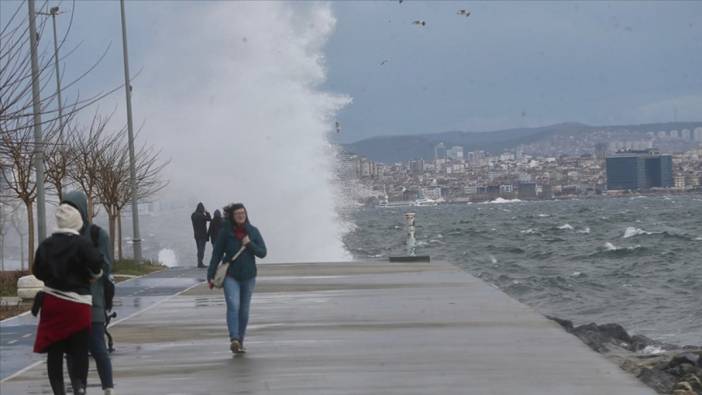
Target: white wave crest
(528, 231)
(652, 350)
(585, 231)
(566, 227)
(544, 215)
(500, 200)
(610, 247)
(632, 231)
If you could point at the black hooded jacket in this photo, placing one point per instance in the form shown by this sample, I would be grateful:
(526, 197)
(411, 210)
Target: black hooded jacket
(215, 226)
(200, 218)
(67, 262)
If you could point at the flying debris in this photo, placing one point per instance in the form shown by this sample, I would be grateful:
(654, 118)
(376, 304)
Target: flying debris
(383, 62)
(401, 1)
(420, 23)
(465, 13)
(338, 127)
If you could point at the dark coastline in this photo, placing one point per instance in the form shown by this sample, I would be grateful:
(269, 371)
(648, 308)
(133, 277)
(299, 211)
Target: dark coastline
(667, 368)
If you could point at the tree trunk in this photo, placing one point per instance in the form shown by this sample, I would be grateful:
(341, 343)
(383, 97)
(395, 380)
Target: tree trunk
(119, 235)
(30, 234)
(90, 208)
(112, 221)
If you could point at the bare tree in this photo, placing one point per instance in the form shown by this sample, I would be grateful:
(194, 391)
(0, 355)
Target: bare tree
(86, 147)
(59, 157)
(113, 182)
(17, 223)
(18, 154)
(113, 171)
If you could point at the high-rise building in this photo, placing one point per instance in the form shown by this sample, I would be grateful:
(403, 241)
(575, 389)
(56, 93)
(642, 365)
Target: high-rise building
(440, 151)
(601, 151)
(636, 170)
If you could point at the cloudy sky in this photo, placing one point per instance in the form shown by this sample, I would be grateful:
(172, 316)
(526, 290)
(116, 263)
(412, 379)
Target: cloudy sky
(508, 64)
(242, 97)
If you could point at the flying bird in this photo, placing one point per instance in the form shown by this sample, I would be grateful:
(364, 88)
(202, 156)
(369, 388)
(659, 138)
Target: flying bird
(383, 62)
(465, 13)
(338, 127)
(420, 23)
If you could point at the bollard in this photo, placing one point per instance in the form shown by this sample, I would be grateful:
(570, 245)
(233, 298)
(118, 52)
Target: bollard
(411, 244)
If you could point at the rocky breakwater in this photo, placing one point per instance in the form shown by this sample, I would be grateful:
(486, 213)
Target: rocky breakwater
(667, 368)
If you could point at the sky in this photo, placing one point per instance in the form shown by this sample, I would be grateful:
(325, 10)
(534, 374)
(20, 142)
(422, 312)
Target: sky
(509, 64)
(243, 98)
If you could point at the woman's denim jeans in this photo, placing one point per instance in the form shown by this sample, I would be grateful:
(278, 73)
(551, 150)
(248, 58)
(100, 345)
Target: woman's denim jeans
(238, 297)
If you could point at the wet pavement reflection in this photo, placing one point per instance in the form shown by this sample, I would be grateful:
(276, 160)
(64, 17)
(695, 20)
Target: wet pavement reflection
(132, 296)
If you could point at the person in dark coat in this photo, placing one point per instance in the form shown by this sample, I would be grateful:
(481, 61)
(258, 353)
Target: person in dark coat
(215, 226)
(200, 218)
(67, 264)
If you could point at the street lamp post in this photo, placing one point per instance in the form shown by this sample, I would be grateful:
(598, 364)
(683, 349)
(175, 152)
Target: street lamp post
(38, 138)
(136, 238)
(53, 12)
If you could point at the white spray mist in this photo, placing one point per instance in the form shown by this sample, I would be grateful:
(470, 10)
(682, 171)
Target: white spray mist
(232, 94)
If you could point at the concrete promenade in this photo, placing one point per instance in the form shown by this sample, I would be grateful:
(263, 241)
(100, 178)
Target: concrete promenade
(352, 328)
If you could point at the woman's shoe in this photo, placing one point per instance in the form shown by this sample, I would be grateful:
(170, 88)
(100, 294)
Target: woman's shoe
(235, 346)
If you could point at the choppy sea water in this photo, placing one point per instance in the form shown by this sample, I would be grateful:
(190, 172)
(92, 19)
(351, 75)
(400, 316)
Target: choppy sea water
(634, 261)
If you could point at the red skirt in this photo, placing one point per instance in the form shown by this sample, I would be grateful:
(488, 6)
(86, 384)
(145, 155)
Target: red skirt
(59, 320)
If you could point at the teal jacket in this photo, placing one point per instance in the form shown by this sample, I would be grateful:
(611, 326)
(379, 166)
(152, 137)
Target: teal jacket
(78, 200)
(227, 245)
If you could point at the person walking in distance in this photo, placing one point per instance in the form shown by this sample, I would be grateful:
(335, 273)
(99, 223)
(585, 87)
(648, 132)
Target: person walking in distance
(67, 264)
(200, 218)
(99, 238)
(237, 236)
(215, 226)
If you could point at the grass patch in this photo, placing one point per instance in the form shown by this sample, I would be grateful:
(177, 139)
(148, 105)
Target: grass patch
(8, 282)
(133, 268)
(8, 310)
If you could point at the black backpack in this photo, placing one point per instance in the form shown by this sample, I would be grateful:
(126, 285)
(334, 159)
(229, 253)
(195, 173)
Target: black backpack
(107, 283)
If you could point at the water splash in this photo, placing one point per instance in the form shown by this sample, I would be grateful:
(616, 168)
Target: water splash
(236, 104)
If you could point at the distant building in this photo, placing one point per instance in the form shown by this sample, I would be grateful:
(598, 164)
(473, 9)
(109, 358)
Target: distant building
(455, 152)
(601, 151)
(636, 170)
(526, 191)
(440, 151)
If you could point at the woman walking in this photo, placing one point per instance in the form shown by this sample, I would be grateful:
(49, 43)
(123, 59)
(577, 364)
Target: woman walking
(67, 263)
(239, 284)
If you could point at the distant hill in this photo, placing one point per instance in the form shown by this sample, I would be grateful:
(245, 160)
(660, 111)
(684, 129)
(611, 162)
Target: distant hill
(397, 148)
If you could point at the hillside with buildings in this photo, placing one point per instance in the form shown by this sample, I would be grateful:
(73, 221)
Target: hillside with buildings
(594, 161)
(554, 140)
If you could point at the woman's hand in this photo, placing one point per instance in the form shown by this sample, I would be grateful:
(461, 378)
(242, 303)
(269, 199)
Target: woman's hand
(210, 284)
(245, 240)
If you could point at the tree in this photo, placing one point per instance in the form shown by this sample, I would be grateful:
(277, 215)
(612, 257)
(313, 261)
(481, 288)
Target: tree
(59, 158)
(86, 147)
(19, 149)
(18, 155)
(114, 188)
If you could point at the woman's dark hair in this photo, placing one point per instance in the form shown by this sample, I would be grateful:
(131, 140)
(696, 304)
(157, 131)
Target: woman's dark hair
(231, 208)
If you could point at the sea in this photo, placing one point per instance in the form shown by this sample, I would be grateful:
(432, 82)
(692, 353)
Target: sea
(635, 261)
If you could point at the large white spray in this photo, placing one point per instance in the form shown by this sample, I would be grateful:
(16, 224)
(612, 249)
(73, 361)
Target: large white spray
(233, 97)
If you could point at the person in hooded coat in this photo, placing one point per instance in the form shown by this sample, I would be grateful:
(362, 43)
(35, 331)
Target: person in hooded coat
(200, 218)
(97, 346)
(215, 226)
(67, 264)
(240, 281)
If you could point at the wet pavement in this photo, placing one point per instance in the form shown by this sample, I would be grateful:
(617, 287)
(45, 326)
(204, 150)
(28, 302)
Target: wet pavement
(17, 333)
(353, 328)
